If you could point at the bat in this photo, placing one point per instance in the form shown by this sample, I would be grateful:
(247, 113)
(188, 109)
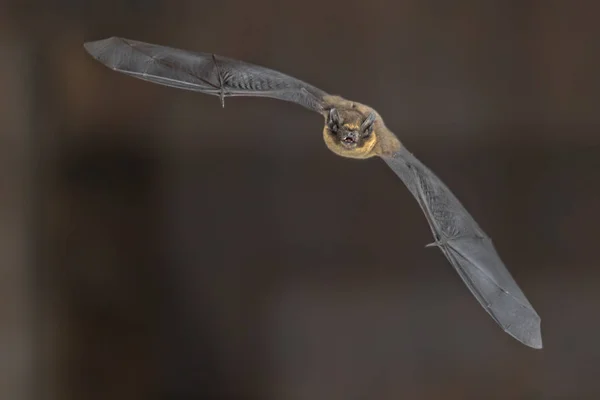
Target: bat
(351, 130)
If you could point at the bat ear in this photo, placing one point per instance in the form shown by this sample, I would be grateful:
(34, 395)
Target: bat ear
(368, 123)
(334, 115)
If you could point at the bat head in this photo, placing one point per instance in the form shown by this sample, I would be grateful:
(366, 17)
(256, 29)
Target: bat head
(350, 132)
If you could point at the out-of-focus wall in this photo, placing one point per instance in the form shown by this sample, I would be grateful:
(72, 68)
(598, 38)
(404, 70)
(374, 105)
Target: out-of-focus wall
(16, 246)
(156, 245)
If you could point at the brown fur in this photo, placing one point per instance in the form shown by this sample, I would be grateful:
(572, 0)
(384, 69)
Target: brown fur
(382, 141)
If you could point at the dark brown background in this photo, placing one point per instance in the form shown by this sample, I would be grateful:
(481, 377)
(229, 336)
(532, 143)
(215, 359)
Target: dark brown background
(156, 246)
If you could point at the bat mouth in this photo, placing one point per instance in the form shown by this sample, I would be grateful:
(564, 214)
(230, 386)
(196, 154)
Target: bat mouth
(349, 140)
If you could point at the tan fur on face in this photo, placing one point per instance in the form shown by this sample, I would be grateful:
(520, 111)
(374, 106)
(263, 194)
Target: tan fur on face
(365, 151)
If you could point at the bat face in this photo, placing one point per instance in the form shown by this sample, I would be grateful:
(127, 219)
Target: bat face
(350, 132)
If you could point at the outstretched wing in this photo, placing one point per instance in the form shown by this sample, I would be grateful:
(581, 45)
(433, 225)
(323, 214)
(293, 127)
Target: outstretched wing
(469, 250)
(202, 72)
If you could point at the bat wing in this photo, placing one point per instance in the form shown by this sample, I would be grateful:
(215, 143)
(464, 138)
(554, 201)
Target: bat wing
(202, 72)
(469, 250)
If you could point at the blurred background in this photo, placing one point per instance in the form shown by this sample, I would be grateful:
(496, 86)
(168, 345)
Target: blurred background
(156, 246)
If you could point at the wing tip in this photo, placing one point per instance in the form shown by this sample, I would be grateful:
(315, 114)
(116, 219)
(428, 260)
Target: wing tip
(107, 50)
(530, 335)
(534, 342)
(95, 47)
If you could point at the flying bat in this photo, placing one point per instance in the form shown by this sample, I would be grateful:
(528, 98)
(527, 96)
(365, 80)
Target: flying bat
(352, 130)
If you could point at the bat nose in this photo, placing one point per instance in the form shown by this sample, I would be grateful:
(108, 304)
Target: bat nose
(351, 135)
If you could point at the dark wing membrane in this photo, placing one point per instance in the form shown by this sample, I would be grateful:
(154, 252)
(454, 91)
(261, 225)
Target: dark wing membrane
(202, 72)
(469, 250)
